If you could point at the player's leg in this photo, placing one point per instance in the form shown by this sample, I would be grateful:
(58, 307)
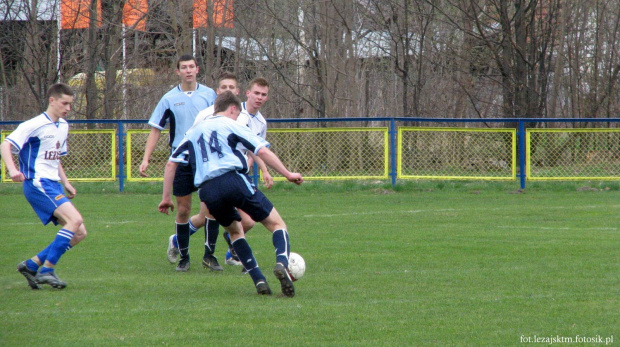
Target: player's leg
(242, 248)
(212, 229)
(73, 231)
(46, 198)
(247, 223)
(184, 205)
(220, 195)
(261, 209)
(182, 189)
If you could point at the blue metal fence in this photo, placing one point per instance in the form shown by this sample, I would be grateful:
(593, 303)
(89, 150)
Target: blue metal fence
(392, 121)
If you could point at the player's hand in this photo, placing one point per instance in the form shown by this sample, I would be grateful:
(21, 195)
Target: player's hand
(17, 176)
(143, 167)
(267, 180)
(70, 191)
(164, 205)
(295, 177)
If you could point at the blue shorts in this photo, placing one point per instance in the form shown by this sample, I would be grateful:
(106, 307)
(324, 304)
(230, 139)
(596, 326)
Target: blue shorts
(183, 183)
(45, 196)
(224, 194)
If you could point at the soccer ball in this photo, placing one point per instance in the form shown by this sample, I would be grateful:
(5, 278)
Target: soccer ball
(296, 266)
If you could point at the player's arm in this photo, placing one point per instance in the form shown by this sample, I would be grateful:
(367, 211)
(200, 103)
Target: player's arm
(267, 179)
(273, 161)
(65, 182)
(151, 142)
(166, 199)
(7, 157)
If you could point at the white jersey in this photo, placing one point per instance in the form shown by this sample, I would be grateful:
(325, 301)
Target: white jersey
(204, 114)
(213, 148)
(40, 143)
(256, 122)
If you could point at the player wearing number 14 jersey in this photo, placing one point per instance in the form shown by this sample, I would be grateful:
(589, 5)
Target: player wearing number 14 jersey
(213, 150)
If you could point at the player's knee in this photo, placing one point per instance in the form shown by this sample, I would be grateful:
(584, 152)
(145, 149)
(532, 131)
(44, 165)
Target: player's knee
(79, 235)
(247, 224)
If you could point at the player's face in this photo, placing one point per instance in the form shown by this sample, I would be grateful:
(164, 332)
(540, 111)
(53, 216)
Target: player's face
(60, 107)
(187, 71)
(257, 96)
(226, 85)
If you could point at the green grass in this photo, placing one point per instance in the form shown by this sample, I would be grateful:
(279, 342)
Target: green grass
(424, 264)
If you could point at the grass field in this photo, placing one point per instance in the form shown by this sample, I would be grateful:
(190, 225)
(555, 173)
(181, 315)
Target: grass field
(464, 264)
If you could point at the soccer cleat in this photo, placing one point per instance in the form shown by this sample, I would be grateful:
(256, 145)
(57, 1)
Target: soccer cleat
(29, 274)
(262, 288)
(183, 265)
(210, 262)
(232, 259)
(51, 279)
(173, 252)
(285, 280)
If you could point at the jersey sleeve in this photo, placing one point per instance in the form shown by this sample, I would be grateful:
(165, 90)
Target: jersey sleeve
(181, 153)
(247, 139)
(158, 117)
(20, 135)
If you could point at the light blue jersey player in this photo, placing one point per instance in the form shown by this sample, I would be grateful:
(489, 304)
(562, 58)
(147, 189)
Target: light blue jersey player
(212, 150)
(40, 143)
(178, 109)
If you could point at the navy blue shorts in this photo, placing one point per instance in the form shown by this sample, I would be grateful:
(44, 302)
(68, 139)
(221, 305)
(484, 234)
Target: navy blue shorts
(183, 183)
(224, 194)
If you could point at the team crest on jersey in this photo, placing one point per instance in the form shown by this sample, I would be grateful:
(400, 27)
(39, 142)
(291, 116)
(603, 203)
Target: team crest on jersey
(58, 197)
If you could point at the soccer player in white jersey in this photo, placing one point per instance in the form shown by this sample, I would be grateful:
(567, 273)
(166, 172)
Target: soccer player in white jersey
(179, 108)
(256, 96)
(213, 150)
(40, 143)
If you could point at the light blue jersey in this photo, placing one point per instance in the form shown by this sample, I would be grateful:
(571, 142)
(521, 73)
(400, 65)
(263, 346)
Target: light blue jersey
(214, 147)
(180, 108)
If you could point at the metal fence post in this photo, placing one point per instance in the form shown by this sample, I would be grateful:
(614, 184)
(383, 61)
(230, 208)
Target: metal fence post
(121, 159)
(393, 150)
(521, 136)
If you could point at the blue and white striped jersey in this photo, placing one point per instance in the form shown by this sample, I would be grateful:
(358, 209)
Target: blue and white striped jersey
(180, 108)
(40, 143)
(214, 147)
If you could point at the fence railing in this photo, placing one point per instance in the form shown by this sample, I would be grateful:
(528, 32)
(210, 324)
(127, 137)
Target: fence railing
(376, 148)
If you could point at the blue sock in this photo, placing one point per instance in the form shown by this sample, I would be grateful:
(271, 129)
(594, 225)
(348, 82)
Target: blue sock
(282, 246)
(212, 231)
(46, 269)
(59, 246)
(43, 254)
(192, 228)
(183, 239)
(31, 265)
(243, 250)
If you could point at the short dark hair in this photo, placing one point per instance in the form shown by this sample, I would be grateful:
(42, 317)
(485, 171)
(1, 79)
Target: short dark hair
(58, 90)
(224, 101)
(258, 81)
(186, 57)
(226, 76)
